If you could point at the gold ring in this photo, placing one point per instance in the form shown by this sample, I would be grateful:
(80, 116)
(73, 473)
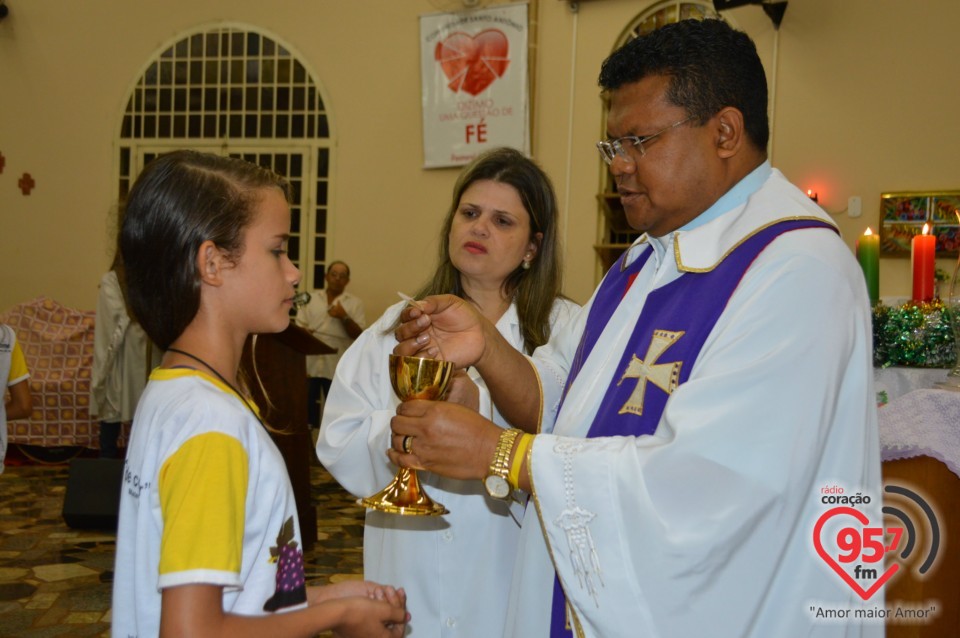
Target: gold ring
(407, 444)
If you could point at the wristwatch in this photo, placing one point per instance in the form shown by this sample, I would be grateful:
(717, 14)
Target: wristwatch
(496, 482)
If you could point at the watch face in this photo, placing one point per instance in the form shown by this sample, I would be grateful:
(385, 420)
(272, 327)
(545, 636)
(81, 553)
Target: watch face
(497, 486)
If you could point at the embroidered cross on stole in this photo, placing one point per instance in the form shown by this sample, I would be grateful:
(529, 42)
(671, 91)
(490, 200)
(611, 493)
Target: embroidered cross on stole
(666, 340)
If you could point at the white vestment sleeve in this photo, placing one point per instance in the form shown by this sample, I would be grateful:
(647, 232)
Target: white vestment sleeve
(552, 360)
(355, 431)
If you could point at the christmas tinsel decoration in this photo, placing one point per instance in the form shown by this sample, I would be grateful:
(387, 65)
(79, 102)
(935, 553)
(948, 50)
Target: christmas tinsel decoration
(918, 335)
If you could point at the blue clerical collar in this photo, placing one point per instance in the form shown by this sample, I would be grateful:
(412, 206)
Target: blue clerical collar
(736, 196)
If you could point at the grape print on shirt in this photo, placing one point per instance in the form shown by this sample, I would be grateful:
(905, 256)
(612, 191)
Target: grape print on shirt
(291, 582)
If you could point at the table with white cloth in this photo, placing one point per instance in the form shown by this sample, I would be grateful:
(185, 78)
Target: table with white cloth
(897, 381)
(920, 448)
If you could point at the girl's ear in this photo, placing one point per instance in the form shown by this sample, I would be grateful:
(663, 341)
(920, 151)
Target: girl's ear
(210, 263)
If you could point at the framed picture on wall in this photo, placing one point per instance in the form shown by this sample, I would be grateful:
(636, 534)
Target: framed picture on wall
(474, 74)
(903, 215)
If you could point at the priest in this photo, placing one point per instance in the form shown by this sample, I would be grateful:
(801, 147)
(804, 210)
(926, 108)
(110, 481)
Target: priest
(678, 437)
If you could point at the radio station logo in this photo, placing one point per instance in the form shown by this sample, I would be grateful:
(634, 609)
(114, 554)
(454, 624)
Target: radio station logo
(868, 546)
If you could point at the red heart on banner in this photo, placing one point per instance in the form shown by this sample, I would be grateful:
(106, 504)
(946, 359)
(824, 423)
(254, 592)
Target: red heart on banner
(472, 63)
(837, 567)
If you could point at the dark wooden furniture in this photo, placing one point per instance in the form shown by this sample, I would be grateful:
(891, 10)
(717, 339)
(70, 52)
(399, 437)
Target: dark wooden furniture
(940, 586)
(279, 361)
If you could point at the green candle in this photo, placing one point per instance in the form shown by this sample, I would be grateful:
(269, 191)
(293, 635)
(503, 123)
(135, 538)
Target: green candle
(868, 254)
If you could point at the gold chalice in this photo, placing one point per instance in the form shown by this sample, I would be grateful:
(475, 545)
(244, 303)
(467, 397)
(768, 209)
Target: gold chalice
(412, 378)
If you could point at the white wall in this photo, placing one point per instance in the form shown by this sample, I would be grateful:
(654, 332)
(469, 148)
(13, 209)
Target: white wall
(866, 99)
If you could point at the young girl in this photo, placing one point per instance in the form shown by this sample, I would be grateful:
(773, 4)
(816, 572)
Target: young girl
(208, 541)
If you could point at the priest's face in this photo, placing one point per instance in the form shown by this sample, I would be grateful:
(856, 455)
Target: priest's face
(679, 172)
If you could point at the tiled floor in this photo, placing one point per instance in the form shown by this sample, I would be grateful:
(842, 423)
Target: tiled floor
(56, 581)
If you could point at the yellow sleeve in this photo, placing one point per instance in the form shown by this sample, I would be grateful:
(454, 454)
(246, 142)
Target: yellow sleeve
(203, 490)
(18, 366)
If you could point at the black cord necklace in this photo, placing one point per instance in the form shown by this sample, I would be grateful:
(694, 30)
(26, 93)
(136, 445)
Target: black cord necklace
(225, 382)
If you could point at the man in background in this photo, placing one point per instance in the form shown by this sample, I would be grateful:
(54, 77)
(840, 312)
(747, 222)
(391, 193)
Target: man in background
(336, 318)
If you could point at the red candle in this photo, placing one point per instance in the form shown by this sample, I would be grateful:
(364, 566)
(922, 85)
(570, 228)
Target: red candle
(922, 252)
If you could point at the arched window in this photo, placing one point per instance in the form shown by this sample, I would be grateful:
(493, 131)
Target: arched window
(615, 234)
(233, 90)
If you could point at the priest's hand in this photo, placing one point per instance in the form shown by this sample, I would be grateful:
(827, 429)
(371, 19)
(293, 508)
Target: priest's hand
(444, 438)
(443, 327)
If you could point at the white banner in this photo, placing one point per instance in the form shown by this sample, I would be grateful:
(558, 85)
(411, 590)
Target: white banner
(473, 69)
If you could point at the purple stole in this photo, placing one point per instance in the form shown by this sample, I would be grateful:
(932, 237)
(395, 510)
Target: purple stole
(666, 341)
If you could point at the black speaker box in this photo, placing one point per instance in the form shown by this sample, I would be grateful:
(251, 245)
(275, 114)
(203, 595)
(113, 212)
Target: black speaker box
(92, 500)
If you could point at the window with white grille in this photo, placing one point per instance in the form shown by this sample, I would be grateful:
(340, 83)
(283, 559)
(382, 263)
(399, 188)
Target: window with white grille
(235, 91)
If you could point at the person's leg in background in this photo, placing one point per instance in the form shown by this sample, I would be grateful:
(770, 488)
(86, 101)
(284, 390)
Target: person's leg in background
(324, 391)
(313, 405)
(109, 433)
(317, 389)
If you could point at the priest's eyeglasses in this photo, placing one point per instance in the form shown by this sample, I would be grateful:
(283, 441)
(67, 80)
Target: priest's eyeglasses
(610, 149)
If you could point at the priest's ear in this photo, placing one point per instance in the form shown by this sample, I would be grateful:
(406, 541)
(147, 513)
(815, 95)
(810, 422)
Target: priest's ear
(730, 132)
